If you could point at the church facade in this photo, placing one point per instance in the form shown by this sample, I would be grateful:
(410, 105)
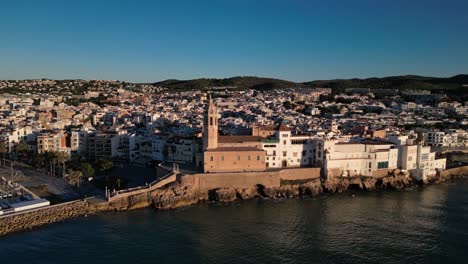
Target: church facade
(229, 153)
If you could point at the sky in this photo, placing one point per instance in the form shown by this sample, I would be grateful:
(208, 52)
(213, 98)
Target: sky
(297, 40)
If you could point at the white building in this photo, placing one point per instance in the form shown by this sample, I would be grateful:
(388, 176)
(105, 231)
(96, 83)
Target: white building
(286, 150)
(360, 159)
(415, 158)
(420, 161)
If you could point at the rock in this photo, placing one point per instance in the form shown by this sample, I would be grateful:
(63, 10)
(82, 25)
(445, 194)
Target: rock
(226, 195)
(312, 188)
(246, 194)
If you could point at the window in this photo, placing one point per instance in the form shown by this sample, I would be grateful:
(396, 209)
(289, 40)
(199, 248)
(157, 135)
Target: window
(284, 153)
(222, 158)
(211, 158)
(382, 165)
(274, 152)
(211, 121)
(238, 157)
(294, 154)
(370, 165)
(425, 156)
(248, 157)
(284, 142)
(258, 157)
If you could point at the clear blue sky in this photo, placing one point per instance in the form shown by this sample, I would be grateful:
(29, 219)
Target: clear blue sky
(298, 40)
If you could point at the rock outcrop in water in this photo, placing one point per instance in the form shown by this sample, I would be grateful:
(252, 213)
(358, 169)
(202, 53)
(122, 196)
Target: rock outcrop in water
(176, 195)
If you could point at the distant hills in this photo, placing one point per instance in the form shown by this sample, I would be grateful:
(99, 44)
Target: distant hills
(239, 82)
(451, 84)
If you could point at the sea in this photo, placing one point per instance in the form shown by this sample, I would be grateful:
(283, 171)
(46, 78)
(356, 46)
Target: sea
(419, 225)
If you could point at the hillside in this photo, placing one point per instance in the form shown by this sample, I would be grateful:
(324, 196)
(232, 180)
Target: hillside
(239, 82)
(452, 84)
(397, 82)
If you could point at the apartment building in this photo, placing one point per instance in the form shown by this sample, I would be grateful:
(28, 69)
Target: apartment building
(372, 158)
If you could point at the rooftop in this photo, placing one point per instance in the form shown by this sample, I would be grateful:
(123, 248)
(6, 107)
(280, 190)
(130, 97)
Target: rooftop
(233, 149)
(239, 139)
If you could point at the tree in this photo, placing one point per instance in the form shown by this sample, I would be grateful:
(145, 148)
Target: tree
(105, 166)
(74, 177)
(173, 151)
(21, 148)
(87, 170)
(51, 160)
(165, 152)
(62, 157)
(3, 150)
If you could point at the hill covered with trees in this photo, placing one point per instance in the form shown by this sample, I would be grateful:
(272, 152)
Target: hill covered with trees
(452, 84)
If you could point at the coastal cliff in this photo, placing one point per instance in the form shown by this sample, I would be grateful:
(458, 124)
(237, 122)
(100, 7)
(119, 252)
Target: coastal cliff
(177, 195)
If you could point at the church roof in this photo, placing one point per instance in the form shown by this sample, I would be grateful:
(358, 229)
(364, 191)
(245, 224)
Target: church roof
(233, 149)
(239, 139)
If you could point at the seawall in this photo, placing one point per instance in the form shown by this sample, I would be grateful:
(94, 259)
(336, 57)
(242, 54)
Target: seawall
(46, 215)
(226, 187)
(191, 189)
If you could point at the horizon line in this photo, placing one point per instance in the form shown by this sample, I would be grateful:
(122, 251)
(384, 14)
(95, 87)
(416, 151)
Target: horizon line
(242, 76)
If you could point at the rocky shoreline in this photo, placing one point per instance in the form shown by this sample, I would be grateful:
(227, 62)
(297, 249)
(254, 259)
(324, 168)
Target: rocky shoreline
(176, 195)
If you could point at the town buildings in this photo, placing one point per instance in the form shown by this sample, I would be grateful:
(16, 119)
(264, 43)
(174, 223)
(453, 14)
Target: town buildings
(357, 132)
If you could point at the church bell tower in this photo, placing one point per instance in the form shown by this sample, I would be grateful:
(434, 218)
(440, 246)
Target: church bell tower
(210, 126)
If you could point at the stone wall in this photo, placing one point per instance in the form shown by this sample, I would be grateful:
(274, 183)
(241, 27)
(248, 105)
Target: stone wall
(54, 213)
(454, 172)
(381, 173)
(300, 174)
(231, 180)
(267, 179)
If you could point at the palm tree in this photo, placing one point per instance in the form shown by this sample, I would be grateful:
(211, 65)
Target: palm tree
(21, 148)
(51, 159)
(173, 151)
(165, 152)
(40, 161)
(3, 150)
(62, 157)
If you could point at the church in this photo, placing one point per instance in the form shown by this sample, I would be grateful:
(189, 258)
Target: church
(268, 147)
(229, 153)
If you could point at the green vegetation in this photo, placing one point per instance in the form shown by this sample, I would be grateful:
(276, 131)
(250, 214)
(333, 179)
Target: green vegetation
(74, 177)
(240, 83)
(86, 169)
(452, 85)
(105, 166)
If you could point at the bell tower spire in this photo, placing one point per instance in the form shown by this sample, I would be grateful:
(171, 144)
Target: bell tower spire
(210, 126)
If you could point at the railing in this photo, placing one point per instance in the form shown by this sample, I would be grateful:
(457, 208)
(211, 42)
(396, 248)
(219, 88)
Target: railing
(142, 189)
